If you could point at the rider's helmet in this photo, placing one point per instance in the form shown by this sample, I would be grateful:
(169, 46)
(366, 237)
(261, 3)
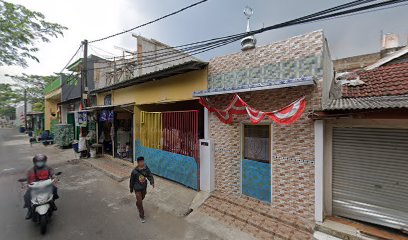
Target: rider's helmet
(39, 160)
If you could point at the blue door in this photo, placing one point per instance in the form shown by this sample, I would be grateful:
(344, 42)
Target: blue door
(256, 162)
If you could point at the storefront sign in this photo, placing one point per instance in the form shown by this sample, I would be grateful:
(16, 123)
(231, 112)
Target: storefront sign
(81, 119)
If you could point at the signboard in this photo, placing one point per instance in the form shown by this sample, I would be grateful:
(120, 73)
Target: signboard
(81, 119)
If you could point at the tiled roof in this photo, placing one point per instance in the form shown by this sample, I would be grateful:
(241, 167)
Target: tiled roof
(387, 80)
(379, 102)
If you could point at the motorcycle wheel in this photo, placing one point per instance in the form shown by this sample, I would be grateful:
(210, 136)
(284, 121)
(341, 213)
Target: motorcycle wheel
(43, 224)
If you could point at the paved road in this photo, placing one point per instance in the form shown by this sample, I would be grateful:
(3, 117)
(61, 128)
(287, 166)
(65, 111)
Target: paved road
(92, 206)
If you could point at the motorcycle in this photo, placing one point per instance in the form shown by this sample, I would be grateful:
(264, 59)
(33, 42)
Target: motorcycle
(41, 197)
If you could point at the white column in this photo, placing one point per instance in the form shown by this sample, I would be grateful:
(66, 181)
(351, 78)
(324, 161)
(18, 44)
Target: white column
(206, 124)
(319, 183)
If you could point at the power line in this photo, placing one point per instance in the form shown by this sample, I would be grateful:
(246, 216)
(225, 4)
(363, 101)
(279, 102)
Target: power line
(73, 56)
(100, 49)
(354, 11)
(150, 22)
(244, 34)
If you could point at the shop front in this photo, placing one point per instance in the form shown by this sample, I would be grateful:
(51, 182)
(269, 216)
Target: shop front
(114, 127)
(159, 120)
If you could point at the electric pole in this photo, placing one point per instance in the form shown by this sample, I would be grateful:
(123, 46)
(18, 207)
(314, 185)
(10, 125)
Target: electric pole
(84, 82)
(25, 109)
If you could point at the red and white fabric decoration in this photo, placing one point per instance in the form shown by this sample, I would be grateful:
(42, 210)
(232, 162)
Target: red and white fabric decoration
(286, 115)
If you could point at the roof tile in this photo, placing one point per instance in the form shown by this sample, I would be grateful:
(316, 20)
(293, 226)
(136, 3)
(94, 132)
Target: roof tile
(387, 80)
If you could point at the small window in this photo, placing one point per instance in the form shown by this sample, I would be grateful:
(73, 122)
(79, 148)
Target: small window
(257, 143)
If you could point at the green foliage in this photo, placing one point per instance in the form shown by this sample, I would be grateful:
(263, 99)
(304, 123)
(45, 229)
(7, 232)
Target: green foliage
(20, 30)
(34, 84)
(38, 106)
(8, 98)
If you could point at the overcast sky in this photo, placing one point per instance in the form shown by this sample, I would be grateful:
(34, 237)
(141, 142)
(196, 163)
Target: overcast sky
(91, 19)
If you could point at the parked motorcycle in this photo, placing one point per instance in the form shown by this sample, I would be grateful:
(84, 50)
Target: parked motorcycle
(41, 197)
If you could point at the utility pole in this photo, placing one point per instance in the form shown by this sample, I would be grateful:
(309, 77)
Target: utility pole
(84, 82)
(25, 109)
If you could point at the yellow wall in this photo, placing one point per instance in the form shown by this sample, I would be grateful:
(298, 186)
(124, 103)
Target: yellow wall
(177, 88)
(49, 107)
(172, 89)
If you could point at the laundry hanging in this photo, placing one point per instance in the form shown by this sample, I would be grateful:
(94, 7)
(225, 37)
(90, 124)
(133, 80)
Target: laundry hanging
(286, 115)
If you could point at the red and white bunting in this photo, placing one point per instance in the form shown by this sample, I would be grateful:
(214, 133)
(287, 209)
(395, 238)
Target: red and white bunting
(286, 115)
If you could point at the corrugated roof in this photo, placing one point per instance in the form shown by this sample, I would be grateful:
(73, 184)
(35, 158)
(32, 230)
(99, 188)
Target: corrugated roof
(173, 70)
(377, 102)
(387, 80)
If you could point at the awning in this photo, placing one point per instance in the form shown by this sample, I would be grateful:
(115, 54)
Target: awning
(380, 102)
(100, 107)
(273, 84)
(34, 113)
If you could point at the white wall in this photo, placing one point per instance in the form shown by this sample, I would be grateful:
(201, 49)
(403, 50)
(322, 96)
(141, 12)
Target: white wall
(319, 170)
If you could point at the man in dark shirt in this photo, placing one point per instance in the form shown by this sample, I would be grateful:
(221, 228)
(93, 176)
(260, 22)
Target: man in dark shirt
(138, 184)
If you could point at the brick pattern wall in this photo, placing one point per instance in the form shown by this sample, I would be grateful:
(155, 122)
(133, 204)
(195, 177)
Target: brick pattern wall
(292, 145)
(292, 149)
(289, 59)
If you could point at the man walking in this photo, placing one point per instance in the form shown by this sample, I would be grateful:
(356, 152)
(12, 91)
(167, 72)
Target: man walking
(138, 184)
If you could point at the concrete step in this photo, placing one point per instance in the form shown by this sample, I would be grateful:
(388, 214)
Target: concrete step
(265, 210)
(248, 218)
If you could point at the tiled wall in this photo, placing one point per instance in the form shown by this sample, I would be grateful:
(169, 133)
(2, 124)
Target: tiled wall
(292, 150)
(297, 68)
(296, 57)
(292, 145)
(176, 167)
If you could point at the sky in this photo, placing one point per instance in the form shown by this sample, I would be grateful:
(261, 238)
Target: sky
(93, 19)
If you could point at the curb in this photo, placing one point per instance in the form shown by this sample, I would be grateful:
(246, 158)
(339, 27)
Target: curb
(109, 174)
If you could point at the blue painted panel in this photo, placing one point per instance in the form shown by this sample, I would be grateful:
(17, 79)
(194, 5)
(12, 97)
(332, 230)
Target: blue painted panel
(176, 167)
(256, 179)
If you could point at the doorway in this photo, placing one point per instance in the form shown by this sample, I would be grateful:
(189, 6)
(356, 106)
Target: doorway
(256, 162)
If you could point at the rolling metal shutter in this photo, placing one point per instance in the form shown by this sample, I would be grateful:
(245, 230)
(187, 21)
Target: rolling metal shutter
(370, 175)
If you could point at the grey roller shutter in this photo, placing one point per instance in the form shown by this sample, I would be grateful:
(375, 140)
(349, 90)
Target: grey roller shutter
(370, 175)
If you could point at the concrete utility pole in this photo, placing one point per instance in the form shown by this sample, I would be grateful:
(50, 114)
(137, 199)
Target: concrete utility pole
(84, 79)
(25, 109)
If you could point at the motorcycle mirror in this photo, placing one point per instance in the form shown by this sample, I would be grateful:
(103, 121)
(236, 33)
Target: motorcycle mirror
(22, 180)
(58, 173)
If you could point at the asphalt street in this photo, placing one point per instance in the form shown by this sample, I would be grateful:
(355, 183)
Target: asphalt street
(92, 206)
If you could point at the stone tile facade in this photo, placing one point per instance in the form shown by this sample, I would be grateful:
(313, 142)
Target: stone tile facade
(294, 58)
(292, 149)
(292, 145)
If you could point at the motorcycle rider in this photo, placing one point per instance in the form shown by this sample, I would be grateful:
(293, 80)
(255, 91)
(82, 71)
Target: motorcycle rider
(39, 172)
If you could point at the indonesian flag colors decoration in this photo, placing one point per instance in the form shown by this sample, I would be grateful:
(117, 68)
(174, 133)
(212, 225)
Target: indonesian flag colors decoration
(286, 115)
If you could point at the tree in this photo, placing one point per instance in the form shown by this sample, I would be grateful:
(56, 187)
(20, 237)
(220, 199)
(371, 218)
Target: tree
(35, 85)
(20, 30)
(8, 99)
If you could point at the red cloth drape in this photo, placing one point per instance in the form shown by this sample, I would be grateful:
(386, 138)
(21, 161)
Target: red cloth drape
(286, 115)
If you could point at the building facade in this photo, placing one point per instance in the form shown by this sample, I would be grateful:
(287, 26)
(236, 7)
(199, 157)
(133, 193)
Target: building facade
(363, 165)
(153, 113)
(269, 165)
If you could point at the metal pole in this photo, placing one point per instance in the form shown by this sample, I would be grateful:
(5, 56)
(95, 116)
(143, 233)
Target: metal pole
(84, 82)
(25, 109)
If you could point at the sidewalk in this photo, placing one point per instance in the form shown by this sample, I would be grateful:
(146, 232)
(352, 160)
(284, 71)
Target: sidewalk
(169, 197)
(117, 169)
